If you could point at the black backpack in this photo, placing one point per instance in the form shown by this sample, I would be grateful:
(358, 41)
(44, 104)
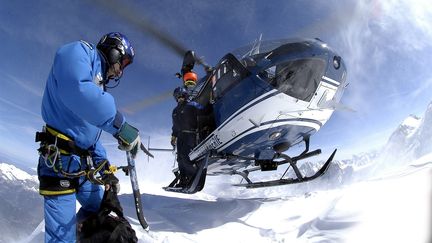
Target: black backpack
(107, 225)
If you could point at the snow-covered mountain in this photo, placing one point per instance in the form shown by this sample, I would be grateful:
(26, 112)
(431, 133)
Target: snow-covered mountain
(411, 140)
(14, 175)
(403, 139)
(363, 159)
(20, 204)
(421, 140)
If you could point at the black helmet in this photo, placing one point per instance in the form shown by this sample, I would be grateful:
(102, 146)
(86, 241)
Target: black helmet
(116, 48)
(180, 92)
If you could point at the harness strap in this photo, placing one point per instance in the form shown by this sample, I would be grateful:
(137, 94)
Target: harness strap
(65, 144)
(92, 175)
(54, 143)
(52, 186)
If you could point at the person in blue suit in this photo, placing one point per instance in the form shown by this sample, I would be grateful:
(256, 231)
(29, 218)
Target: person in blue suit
(76, 109)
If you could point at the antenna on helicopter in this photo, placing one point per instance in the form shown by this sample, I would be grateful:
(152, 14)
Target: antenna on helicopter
(255, 47)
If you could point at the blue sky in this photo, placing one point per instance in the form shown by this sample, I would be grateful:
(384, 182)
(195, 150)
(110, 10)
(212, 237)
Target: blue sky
(387, 46)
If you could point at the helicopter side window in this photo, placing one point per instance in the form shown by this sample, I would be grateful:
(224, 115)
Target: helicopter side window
(298, 78)
(268, 74)
(228, 73)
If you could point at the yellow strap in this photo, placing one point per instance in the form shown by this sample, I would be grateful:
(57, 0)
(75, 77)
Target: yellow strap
(54, 193)
(63, 152)
(112, 169)
(58, 134)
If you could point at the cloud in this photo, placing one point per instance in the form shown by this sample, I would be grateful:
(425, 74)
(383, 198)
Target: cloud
(11, 103)
(424, 86)
(17, 140)
(32, 89)
(410, 21)
(379, 41)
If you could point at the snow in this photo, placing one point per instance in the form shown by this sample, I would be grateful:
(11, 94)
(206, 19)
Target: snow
(357, 200)
(390, 208)
(395, 208)
(10, 172)
(411, 124)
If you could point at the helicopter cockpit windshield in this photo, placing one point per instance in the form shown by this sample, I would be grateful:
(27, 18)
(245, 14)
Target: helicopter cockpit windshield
(297, 78)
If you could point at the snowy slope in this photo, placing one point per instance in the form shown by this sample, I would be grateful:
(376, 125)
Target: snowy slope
(373, 197)
(390, 208)
(20, 204)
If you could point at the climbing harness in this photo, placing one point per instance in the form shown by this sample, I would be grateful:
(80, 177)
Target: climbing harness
(54, 144)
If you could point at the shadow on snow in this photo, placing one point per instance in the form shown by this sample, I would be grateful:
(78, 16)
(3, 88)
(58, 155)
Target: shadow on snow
(189, 215)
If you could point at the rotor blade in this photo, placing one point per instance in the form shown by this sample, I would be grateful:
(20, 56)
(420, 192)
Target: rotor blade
(143, 24)
(131, 109)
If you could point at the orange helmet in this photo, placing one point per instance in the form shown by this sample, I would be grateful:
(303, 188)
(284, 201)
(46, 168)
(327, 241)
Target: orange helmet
(190, 78)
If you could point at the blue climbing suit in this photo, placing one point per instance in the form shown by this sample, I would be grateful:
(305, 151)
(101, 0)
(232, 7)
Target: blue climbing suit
(74, 107)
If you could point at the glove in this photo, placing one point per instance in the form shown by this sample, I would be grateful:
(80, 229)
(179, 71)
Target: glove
(173, 141)
(128, 139)
(111, 182)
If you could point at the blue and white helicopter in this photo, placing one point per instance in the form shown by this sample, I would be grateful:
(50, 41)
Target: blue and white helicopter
(266, 97)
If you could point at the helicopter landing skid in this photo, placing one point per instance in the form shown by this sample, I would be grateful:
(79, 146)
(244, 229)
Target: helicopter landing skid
(197, 183)
(292, 161)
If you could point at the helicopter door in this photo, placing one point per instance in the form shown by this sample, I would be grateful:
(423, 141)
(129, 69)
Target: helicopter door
(323, 95)
(230, 88)
(226, 75)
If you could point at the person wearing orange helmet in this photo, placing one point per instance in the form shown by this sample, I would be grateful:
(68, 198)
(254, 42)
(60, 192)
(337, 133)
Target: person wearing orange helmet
(190, 79)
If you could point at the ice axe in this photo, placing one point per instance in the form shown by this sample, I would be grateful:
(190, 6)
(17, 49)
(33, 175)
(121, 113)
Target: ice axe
(146, 151)
(135, 188)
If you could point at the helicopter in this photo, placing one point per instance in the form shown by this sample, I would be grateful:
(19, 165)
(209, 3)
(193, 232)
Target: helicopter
(266, 97)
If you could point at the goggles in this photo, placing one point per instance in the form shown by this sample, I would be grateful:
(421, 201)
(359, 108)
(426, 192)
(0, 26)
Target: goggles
(190, 83)
(125, 62)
